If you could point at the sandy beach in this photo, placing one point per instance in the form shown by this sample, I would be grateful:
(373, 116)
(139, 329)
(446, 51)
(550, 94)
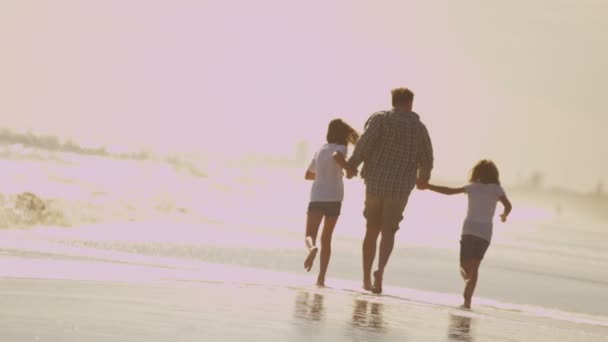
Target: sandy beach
(47, 298)
(109, 258)
(159, 159)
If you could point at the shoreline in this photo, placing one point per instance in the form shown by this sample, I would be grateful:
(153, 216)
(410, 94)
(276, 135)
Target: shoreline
(87, 287)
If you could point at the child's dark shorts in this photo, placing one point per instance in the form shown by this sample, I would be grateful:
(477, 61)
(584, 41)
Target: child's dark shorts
(472, 247)
(325, 208)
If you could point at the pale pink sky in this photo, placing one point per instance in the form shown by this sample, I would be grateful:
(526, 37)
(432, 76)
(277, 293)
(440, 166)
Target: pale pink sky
(518, 81)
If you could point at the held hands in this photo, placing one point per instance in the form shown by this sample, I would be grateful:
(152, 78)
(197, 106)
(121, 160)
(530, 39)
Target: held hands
(351, 172)
(422, 184)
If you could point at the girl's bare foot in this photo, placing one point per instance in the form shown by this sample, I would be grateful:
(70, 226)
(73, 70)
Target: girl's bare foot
(367, 285)
(321, 282)
(312, 253)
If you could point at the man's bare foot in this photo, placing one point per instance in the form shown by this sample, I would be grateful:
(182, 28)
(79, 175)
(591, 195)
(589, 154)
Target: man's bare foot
(312, 253)
(377, 287)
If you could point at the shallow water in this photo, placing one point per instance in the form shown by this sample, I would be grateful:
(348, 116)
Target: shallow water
(218, 311)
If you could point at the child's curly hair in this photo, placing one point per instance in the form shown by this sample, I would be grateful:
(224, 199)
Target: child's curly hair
(486, 172)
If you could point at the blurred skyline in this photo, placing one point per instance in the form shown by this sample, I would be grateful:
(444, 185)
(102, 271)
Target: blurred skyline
(519, 82)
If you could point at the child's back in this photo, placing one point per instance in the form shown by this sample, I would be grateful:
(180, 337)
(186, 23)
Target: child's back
(481, 209)
(328, 185)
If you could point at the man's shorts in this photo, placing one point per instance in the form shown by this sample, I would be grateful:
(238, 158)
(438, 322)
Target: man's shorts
(325, 208)
(384, 214)
(473, 247)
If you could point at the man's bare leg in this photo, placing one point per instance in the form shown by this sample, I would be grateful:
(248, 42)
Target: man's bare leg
(369, 254)
(313, 221)
(328, 229)
(387, 242)
(463, 273)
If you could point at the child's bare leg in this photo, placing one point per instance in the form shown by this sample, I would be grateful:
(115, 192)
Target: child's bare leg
(471, 270)
(328, 229)
(313, 221)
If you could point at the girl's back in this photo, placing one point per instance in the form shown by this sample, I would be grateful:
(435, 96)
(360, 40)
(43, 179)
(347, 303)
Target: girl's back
(482, 201)
(481, 208)
(328, 185)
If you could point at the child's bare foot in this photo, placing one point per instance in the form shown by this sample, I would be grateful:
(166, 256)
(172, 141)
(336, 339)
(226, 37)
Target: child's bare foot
(321, 282)
(466, 304)
(312, 253)
(377, 287)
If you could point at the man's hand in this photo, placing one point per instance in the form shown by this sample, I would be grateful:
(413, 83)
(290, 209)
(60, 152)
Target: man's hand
(422, 184)
(350, 172)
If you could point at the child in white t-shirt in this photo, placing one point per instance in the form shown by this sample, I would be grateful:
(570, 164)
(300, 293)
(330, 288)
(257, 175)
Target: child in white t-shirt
(327, 192)
(483, 191)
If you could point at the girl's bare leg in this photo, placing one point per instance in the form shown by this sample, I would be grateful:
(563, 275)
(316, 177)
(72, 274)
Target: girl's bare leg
(313, 221)
(328, 229)
(469, 271)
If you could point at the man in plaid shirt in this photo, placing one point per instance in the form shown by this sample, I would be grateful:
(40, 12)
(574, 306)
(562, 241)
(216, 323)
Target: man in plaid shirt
(396, 153)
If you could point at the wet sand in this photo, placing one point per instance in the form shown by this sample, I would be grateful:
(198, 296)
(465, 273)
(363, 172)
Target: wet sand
(51, 299)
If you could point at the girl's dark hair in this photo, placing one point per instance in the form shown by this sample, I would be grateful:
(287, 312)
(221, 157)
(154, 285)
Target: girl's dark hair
(339, 132)
(485, 172)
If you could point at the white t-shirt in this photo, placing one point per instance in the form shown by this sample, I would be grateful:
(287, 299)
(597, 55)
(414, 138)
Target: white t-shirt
(482, 207)
(328, 185)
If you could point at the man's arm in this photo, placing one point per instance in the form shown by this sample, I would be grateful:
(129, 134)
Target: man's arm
(425, 158)
(367, 142)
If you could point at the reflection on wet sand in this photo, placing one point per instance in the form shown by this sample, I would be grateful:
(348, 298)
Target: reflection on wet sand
(368, 316)
(309, 306)
(459, 328)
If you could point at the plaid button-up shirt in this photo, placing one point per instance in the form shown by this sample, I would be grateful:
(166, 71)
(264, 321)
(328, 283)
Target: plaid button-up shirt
(395, 148)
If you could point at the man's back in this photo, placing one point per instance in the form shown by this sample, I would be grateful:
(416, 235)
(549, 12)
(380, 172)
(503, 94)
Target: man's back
(394, 146)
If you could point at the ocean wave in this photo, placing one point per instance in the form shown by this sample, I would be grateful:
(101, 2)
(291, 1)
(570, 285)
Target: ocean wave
(49, 147)
(54, 143)
(26, 210)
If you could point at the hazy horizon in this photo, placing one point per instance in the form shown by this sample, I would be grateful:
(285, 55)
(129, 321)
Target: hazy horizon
(517, 82)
